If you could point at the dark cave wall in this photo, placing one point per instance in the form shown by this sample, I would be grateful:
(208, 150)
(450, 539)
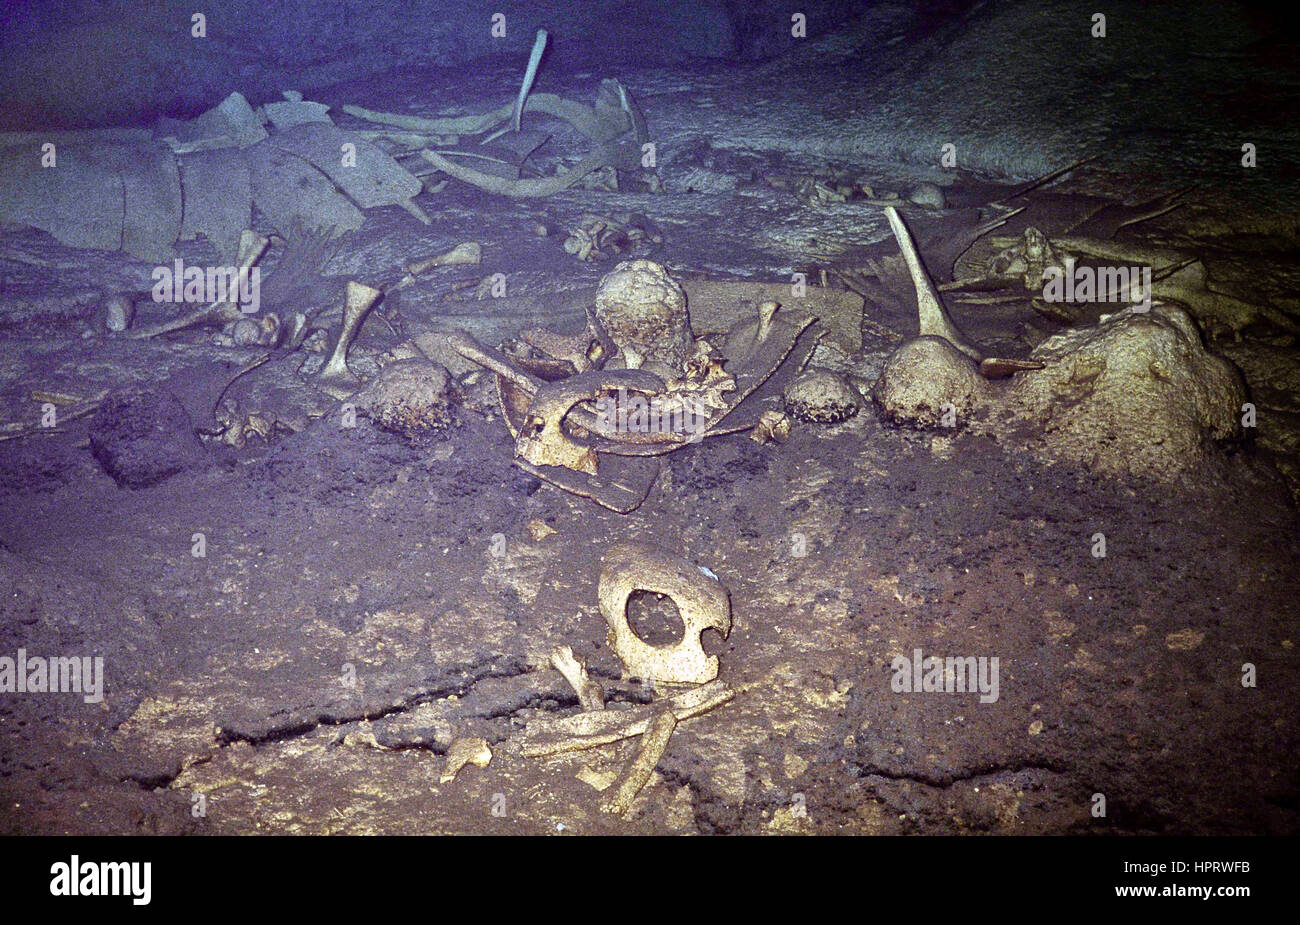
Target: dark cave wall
(94, 62)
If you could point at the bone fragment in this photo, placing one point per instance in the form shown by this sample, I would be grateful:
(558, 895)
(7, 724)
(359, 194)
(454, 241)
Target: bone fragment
(251, 247)
(934, 321)
(471, 252)
(601, 727)
(462, 751)
(638, 771)
(293, 331)
(590, 696)
(766, 312)
(335, 375)
(119, 311)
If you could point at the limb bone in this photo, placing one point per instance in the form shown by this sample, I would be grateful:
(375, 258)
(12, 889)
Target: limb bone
(638, 771)
(933, 319)
(335, 375)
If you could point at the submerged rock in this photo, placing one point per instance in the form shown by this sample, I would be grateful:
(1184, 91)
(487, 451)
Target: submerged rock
(1135, 394)
(142, 437)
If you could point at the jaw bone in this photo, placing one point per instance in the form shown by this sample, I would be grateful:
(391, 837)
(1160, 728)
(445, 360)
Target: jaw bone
(934, 320)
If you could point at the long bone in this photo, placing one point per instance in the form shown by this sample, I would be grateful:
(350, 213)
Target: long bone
(251, 247)
(593, 728)
(335, 376)
(934, 320)
(637, 773)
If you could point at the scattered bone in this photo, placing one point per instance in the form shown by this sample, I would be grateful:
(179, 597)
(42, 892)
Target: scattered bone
(590, 695)
(19, 431)
(562, 440)
(1029, 259)
(290, 190)
(539, 529)
(702, 603)
(653, 744)
(294, 331)
(772, 427)
(934, 321)
(292, 113)
(590, 729)
(1179, 278)
(118, 312)
(42, 396)
(598, 127)
(468, 253)
(334, 376)
(1003, 367)
(371, 180)
(492, 360)
(231, 123)
(251, 247)
(581, 351)
(462, 751)
(219, 314)
(596, 779)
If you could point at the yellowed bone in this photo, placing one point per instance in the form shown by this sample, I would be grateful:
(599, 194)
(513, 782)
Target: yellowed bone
(934, 320)
(251, 248)
(462, 751)
(590, 696)
(639, 769)
(556, 736)
(702, 603)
